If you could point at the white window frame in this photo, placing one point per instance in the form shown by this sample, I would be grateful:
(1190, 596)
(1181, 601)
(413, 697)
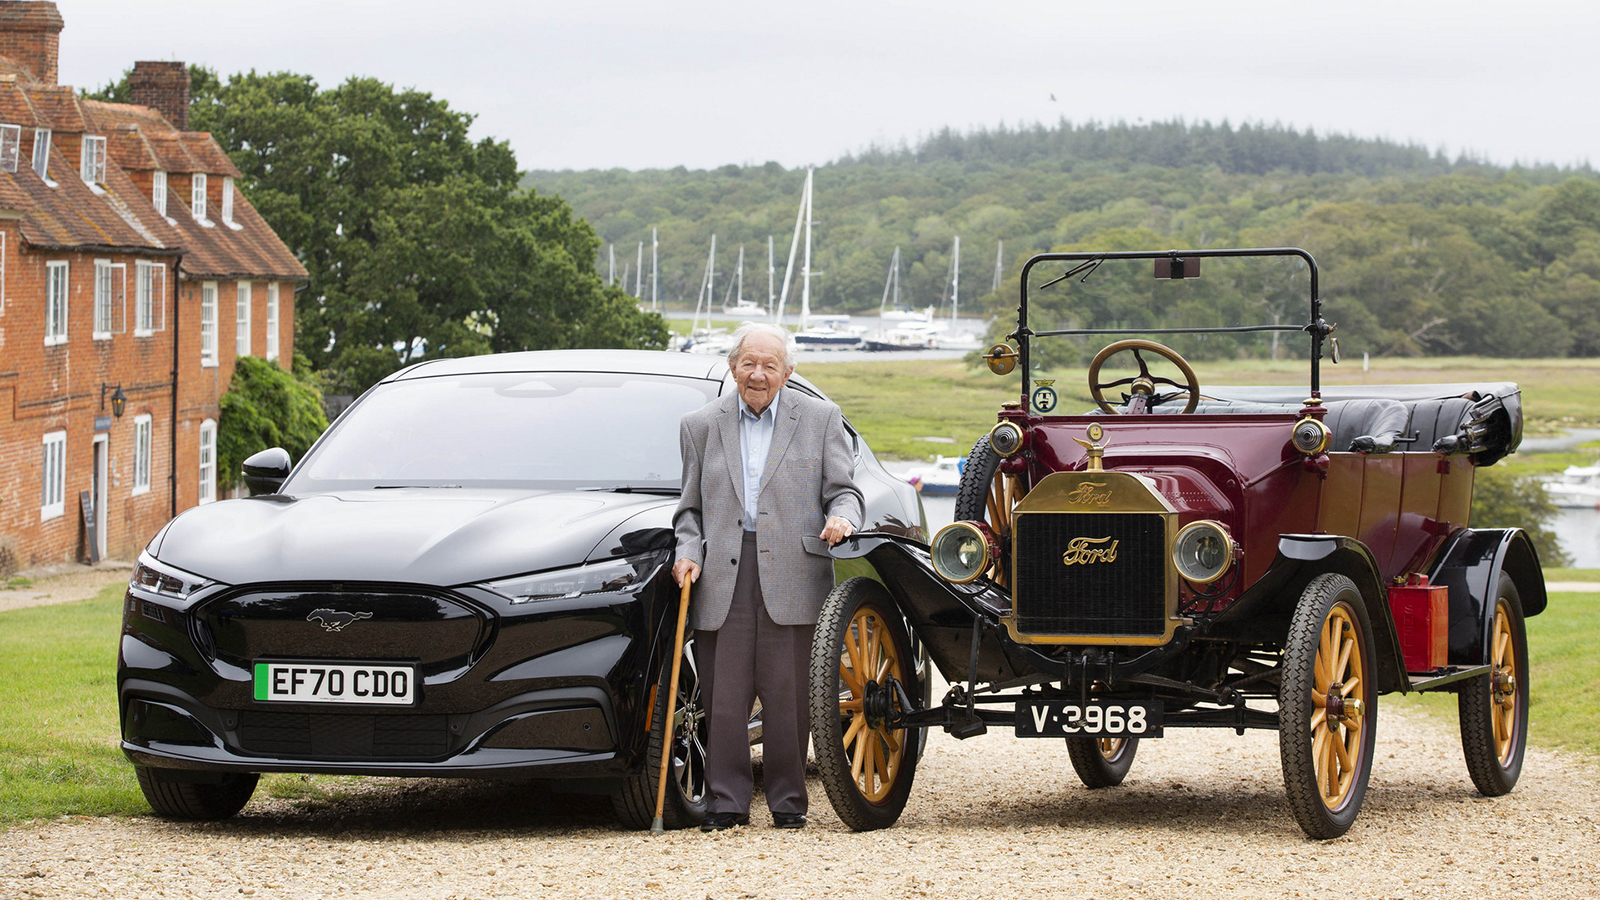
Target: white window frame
(158, 191)
(53, 477)
(227, 199)
(197, 196)
(41, 153)
(143, 426)
(10, 147)
(56, 291)
(104, 277)
(208, 461)
(144, 298)
(241, 318)
(92, 159)
(272, 321)
(208, 323)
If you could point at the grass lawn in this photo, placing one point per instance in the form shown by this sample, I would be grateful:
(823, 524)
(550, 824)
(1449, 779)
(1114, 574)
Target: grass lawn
(1563, 654)
(899, 403)
(59, 746)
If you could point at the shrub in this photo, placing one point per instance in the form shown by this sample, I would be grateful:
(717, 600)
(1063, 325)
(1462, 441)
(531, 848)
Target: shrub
(267, 407)
(1501, 499)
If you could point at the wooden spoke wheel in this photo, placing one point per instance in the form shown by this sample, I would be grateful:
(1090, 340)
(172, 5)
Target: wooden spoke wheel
(860, 652)
(1328, 707)
(988, 495)
(1494, 707)
(635, 803)
(1101, 762)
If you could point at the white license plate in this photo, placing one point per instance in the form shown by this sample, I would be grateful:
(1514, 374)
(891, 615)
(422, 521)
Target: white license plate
(317, 682)
(1097, 718)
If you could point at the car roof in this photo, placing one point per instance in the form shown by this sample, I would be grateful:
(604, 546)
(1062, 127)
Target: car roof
(659, 362)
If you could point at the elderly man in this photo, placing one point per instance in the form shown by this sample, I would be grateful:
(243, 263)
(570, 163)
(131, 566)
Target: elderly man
(766, 490)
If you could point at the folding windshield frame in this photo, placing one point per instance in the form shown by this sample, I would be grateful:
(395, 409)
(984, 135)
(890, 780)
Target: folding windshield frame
(1316, 327)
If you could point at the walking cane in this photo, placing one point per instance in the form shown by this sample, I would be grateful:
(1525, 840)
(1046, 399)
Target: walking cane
(656, 826)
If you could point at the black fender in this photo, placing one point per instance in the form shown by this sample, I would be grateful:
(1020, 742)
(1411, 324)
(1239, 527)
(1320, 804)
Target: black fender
(1264, 610)
(1470, 564)
(941, 615)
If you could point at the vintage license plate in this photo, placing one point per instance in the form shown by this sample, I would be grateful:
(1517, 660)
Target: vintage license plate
(1097, 718)
(319, 682)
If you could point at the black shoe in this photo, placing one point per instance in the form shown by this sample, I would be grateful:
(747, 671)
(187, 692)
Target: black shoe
(724, 821)
(788, 820)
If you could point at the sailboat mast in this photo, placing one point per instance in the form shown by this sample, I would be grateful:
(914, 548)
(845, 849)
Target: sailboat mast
(955, 283)
(771, 271)
(711, 279)
(999, 262)
(638, 274)
(794, 246)
(805, 273)
(739, 297)
(655, 271)
(611, 273)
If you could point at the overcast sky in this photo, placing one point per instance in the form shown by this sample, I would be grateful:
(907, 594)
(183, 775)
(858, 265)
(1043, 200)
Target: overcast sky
(581, 84)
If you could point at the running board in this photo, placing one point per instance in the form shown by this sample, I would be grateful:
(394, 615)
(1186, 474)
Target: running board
(1434, 682)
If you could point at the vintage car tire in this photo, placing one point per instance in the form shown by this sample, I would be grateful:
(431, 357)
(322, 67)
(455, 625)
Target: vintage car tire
(867, 771)
(1494, 720)
(192, 800)
(635, 802)
(1325, 787)
(1101, 762)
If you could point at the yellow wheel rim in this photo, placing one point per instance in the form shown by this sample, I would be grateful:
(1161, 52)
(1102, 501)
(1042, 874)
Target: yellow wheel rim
(1110, 747)
(1339, 698)
(1503, 695)
(869, 655)
(1005, 491)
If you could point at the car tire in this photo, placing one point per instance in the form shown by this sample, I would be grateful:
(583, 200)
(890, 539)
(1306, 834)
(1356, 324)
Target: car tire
(1494, 707)
(196, 800)
(1101, 762)
(685, 807)
(1326, 787)
(867, 766)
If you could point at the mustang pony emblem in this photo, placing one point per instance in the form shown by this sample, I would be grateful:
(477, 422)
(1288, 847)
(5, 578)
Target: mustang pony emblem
(335, 619)
(1080, 551)
(1087, 494)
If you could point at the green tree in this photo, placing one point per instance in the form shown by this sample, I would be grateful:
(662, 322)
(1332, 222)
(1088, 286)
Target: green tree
(417, 238)
(267, 407)
(1501, 499)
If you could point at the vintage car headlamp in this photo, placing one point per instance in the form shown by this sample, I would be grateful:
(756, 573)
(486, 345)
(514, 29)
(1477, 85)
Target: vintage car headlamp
(164, 580)
(1311, 437)
(607, 575)
(1203, 551)
(1005, 439)
(962, 551)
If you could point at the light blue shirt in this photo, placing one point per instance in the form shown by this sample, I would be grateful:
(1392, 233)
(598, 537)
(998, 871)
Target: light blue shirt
(755, 441)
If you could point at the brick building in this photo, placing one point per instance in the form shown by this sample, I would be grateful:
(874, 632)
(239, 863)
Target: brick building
(132, 274)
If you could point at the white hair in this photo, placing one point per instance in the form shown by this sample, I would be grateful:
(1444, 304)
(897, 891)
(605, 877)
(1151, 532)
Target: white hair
(744, 332)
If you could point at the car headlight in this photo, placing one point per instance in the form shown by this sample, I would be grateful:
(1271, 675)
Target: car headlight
(1203, 551)
(608, 575)
(164, 580)
(962, 551)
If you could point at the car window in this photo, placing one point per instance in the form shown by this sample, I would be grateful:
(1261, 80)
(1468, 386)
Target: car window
(541, 429)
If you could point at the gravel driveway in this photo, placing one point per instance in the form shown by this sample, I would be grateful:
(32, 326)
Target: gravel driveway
(1202, 815)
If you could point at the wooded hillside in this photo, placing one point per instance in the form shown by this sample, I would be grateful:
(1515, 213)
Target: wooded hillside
(1420, 254)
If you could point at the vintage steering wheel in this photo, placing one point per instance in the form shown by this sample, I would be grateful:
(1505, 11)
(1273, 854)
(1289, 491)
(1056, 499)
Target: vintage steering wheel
(1143, 384)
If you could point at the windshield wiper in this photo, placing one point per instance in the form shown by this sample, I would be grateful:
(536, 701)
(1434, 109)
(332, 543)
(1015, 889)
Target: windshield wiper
(637, 489)
(1087, 268)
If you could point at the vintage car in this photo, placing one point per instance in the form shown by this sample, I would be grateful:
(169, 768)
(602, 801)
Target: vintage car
(468, 575)
(1187, 555)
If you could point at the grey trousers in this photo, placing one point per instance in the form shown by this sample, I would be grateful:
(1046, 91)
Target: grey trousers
(751, 657)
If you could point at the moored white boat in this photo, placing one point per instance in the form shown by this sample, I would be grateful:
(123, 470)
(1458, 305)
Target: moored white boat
(1576, 488)
(942, 476)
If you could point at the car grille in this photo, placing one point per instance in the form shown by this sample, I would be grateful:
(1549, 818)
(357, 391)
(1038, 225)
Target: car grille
(1097, 597)
(343, 736)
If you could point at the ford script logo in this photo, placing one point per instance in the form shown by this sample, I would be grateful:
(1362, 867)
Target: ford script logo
(1082, 551)
(335, 619)
(1089, 493)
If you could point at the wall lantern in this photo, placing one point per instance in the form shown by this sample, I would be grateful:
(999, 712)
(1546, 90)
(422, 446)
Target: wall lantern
(119, 400)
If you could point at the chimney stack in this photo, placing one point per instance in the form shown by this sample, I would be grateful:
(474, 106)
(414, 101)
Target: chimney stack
(30, 34)
(164, 87)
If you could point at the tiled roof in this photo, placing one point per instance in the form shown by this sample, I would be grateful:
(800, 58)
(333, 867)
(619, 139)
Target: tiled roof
(70, 214)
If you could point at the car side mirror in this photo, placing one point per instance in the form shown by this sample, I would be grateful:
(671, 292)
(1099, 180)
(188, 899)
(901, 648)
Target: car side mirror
(264, 473)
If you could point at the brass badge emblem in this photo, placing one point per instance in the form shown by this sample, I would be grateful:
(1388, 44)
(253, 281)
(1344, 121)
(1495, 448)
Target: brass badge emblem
(1083, 551)
(1044, 396)
(1089, 493)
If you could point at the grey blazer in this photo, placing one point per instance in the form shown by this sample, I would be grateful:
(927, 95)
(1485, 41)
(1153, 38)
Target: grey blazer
(808, 478)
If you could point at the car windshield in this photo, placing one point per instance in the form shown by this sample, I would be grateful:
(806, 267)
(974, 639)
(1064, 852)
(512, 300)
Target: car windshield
(1249, 311)
(563, 430)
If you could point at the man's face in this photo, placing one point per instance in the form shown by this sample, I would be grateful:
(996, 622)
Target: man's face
(760, 371)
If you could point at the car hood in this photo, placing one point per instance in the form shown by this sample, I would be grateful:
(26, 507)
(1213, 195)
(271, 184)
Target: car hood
(421, 536)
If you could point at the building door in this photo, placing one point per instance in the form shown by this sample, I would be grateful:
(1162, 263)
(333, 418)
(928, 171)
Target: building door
(100, 476)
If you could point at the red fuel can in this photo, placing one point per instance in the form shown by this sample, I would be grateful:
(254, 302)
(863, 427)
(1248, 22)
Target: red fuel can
(1422, 617)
